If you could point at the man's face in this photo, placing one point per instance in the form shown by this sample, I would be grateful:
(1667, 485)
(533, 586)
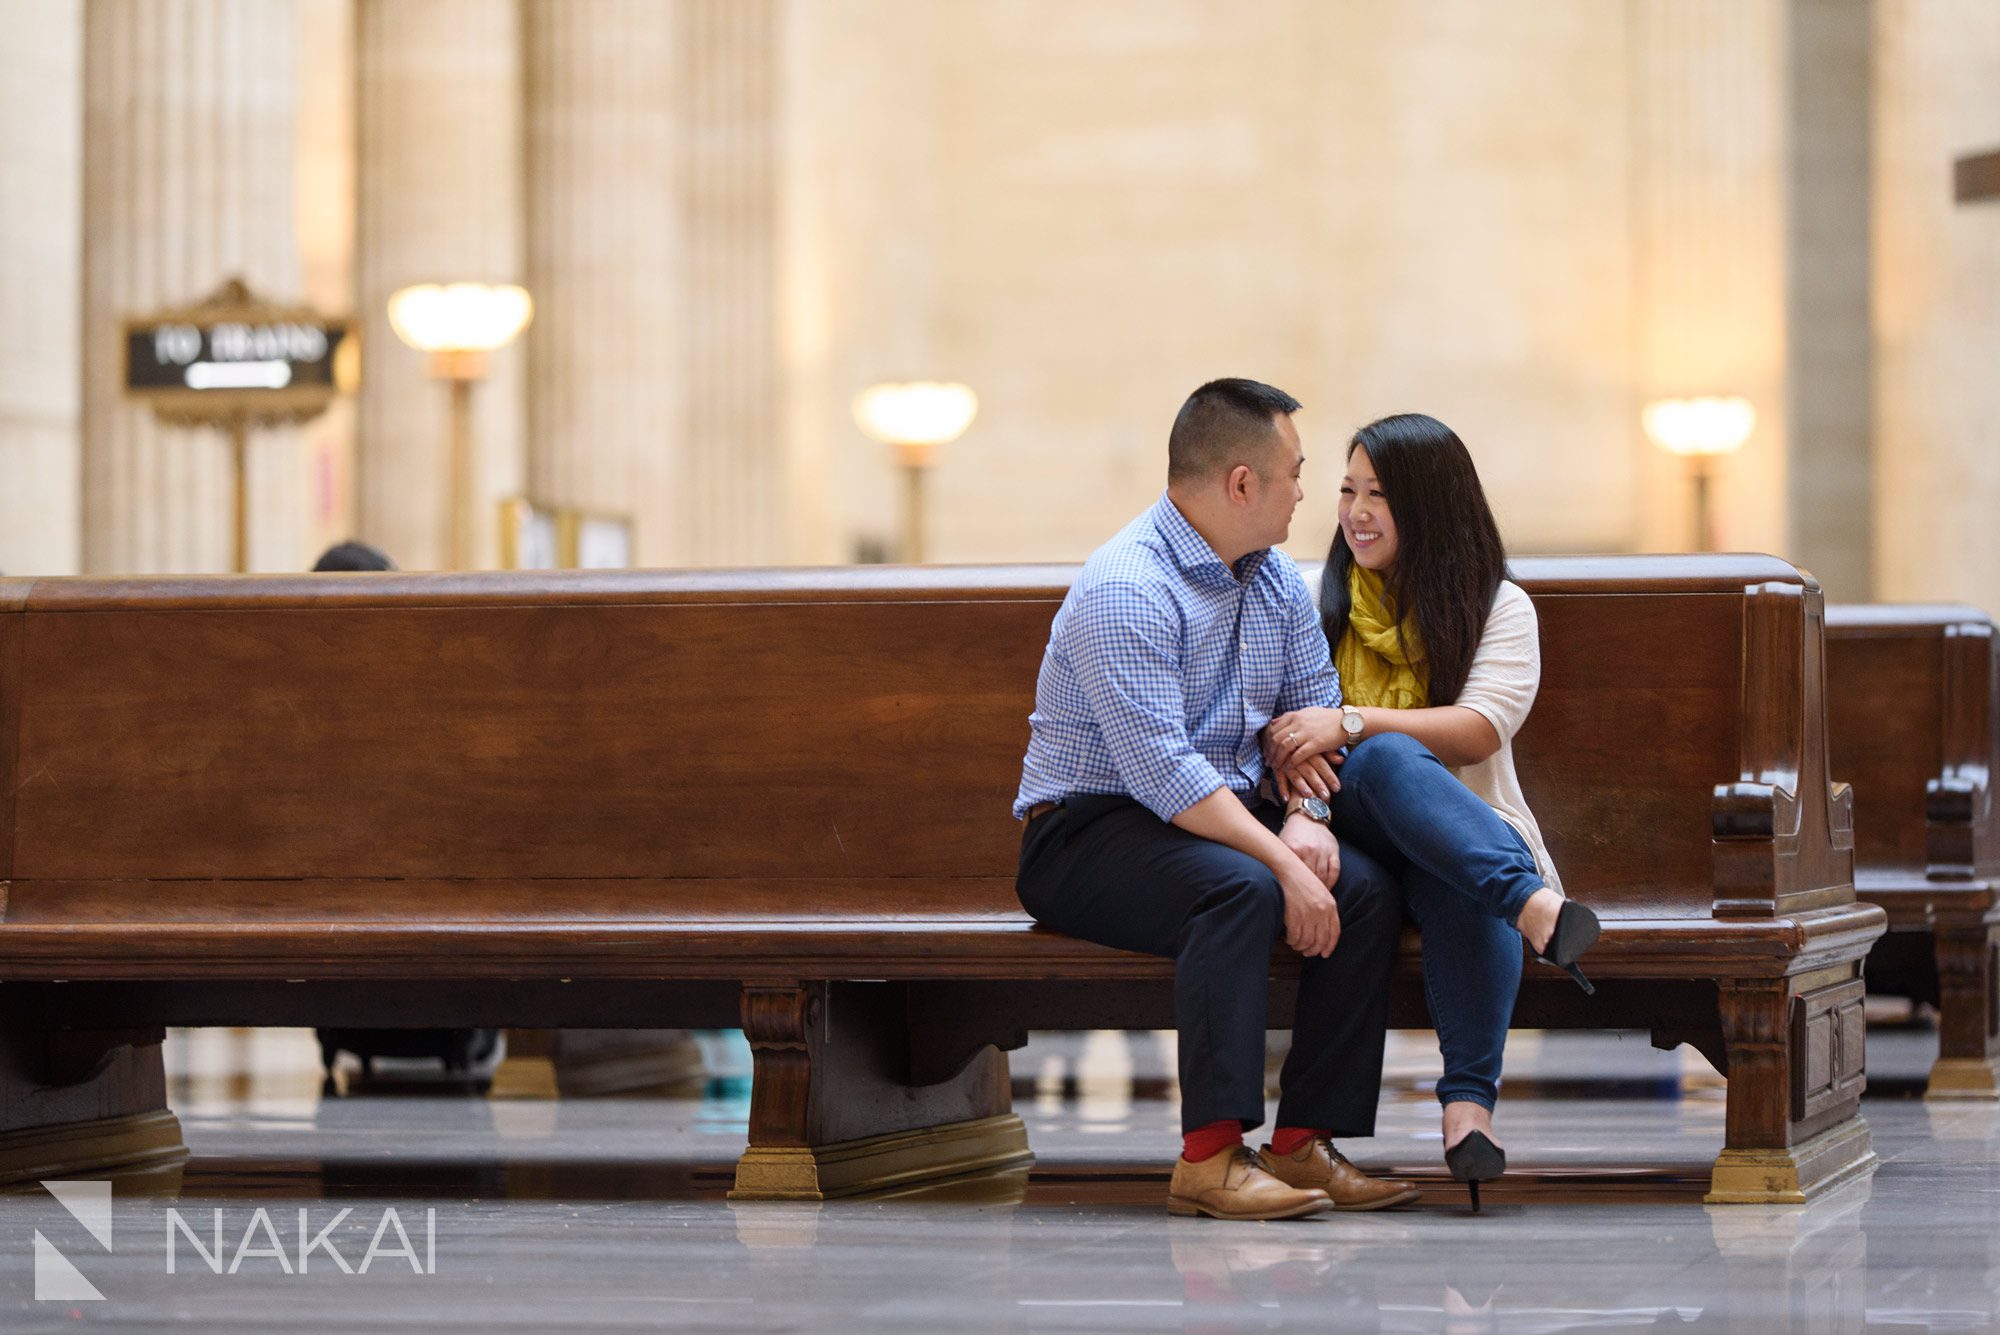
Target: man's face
(1274, 490)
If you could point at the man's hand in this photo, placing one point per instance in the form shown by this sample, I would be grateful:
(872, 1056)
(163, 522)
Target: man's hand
(1315, 846)
(1312, 919)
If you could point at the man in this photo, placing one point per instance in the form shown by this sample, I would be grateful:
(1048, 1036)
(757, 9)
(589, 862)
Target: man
(1185, 635)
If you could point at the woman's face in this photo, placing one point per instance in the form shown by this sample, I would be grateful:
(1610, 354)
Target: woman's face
(1364, 514)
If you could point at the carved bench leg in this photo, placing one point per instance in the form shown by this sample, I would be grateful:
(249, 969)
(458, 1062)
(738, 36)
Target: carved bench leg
(1796, 1068)
(834, 1109)
(1968, 960)
(528, 1070)
(598, 1063)
(86, 1104)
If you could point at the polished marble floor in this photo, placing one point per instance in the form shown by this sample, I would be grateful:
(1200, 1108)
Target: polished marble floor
(609, 1215)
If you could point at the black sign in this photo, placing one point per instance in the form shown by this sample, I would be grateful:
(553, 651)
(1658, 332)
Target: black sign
(233, 355)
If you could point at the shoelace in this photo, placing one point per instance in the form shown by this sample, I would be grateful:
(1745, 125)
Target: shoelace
(1242, 1157)
(1326, 1142)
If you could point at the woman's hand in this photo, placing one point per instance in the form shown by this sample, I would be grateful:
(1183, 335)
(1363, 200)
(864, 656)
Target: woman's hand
(1304, 732)
(1311, 777)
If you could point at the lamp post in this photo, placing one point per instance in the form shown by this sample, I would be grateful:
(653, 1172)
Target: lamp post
(234, 360)
(1701, 430)
(457, 325)
(915, 417)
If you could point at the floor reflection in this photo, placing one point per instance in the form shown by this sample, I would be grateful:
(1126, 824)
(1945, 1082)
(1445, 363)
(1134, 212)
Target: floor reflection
(598, 1214)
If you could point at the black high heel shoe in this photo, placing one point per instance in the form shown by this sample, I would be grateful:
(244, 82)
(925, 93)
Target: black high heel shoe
(1576, 931)
(1473, 1160)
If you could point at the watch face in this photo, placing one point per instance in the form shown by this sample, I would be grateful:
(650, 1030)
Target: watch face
(1351, 722)
(1317, 809)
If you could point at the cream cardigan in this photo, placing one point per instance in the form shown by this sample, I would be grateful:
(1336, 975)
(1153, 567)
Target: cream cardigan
(1505, 675)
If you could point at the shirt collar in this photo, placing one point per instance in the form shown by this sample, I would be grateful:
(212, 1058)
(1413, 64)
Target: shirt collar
(1192, 551)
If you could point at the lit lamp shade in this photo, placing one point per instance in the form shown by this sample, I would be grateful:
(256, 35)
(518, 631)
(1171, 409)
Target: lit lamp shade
(1700, 428)
(459, 320)
(915, 416)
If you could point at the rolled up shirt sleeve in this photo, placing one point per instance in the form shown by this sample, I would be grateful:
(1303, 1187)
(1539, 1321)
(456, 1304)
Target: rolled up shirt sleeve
(1311, 680)
(1126, 655)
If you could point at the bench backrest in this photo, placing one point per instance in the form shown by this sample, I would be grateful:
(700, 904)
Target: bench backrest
(1913, 698)
(348, 732)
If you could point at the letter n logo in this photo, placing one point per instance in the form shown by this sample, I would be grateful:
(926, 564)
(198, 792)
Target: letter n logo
(56, 1279)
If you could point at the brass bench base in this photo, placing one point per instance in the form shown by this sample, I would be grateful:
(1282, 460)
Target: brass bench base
(1793, 1176)
(1965, 1079)
(874, 1163)
(143, 1150)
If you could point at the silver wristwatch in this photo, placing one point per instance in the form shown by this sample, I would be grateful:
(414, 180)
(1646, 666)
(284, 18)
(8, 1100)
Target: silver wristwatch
(1351, 723)
(1312, 808)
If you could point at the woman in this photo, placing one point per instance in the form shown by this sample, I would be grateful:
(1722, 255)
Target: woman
(1439, 661)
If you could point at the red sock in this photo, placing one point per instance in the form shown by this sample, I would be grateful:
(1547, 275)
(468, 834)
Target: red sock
(1208, 1141)
(1289, 1139)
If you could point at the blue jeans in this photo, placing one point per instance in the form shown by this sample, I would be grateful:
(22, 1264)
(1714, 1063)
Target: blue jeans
(1465, 874)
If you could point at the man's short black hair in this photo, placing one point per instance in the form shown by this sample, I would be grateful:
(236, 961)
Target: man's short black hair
(353, 555)
(1222, 424)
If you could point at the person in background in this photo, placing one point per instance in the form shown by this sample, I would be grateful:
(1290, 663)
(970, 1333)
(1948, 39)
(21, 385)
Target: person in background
(461, 1050)
(352, 555)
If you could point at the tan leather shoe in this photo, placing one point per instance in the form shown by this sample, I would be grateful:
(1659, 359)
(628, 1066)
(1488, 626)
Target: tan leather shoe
(1234, 1185)
(1317, 1164)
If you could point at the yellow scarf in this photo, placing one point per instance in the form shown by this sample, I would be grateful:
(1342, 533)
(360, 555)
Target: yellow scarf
(1379, 668)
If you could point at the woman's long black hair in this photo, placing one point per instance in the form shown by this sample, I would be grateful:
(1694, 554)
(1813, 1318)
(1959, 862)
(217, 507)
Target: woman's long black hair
(1449, 559)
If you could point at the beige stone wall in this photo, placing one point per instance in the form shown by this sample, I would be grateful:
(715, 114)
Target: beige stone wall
(1829, 395)
(1471, 237)
(734, 477)
(189, 157)
(606, 241)
(1708, 152)
(438, 199)
(1937, 304)
(325, 209)
(1527, 219)
(1086, 212)
(41, 198)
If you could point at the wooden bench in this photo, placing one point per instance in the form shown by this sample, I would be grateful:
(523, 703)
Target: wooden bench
(1913, 701)
(779, 799)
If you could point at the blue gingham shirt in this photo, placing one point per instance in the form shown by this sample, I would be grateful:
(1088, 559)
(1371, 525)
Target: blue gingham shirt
(1163, 664)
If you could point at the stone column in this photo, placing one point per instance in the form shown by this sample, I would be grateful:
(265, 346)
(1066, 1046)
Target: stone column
(606, 264)
(326, 244)
(438, 192)
(1708, 149)
(41, 86)
(1937, 304)
(188, 180)
(1828, 353)
(737, 479)
(1751, 166)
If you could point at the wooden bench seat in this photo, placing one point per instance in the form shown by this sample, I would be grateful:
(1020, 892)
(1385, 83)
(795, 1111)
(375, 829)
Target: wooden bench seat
(1914, 707)
(780, 798)
(210, 942)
